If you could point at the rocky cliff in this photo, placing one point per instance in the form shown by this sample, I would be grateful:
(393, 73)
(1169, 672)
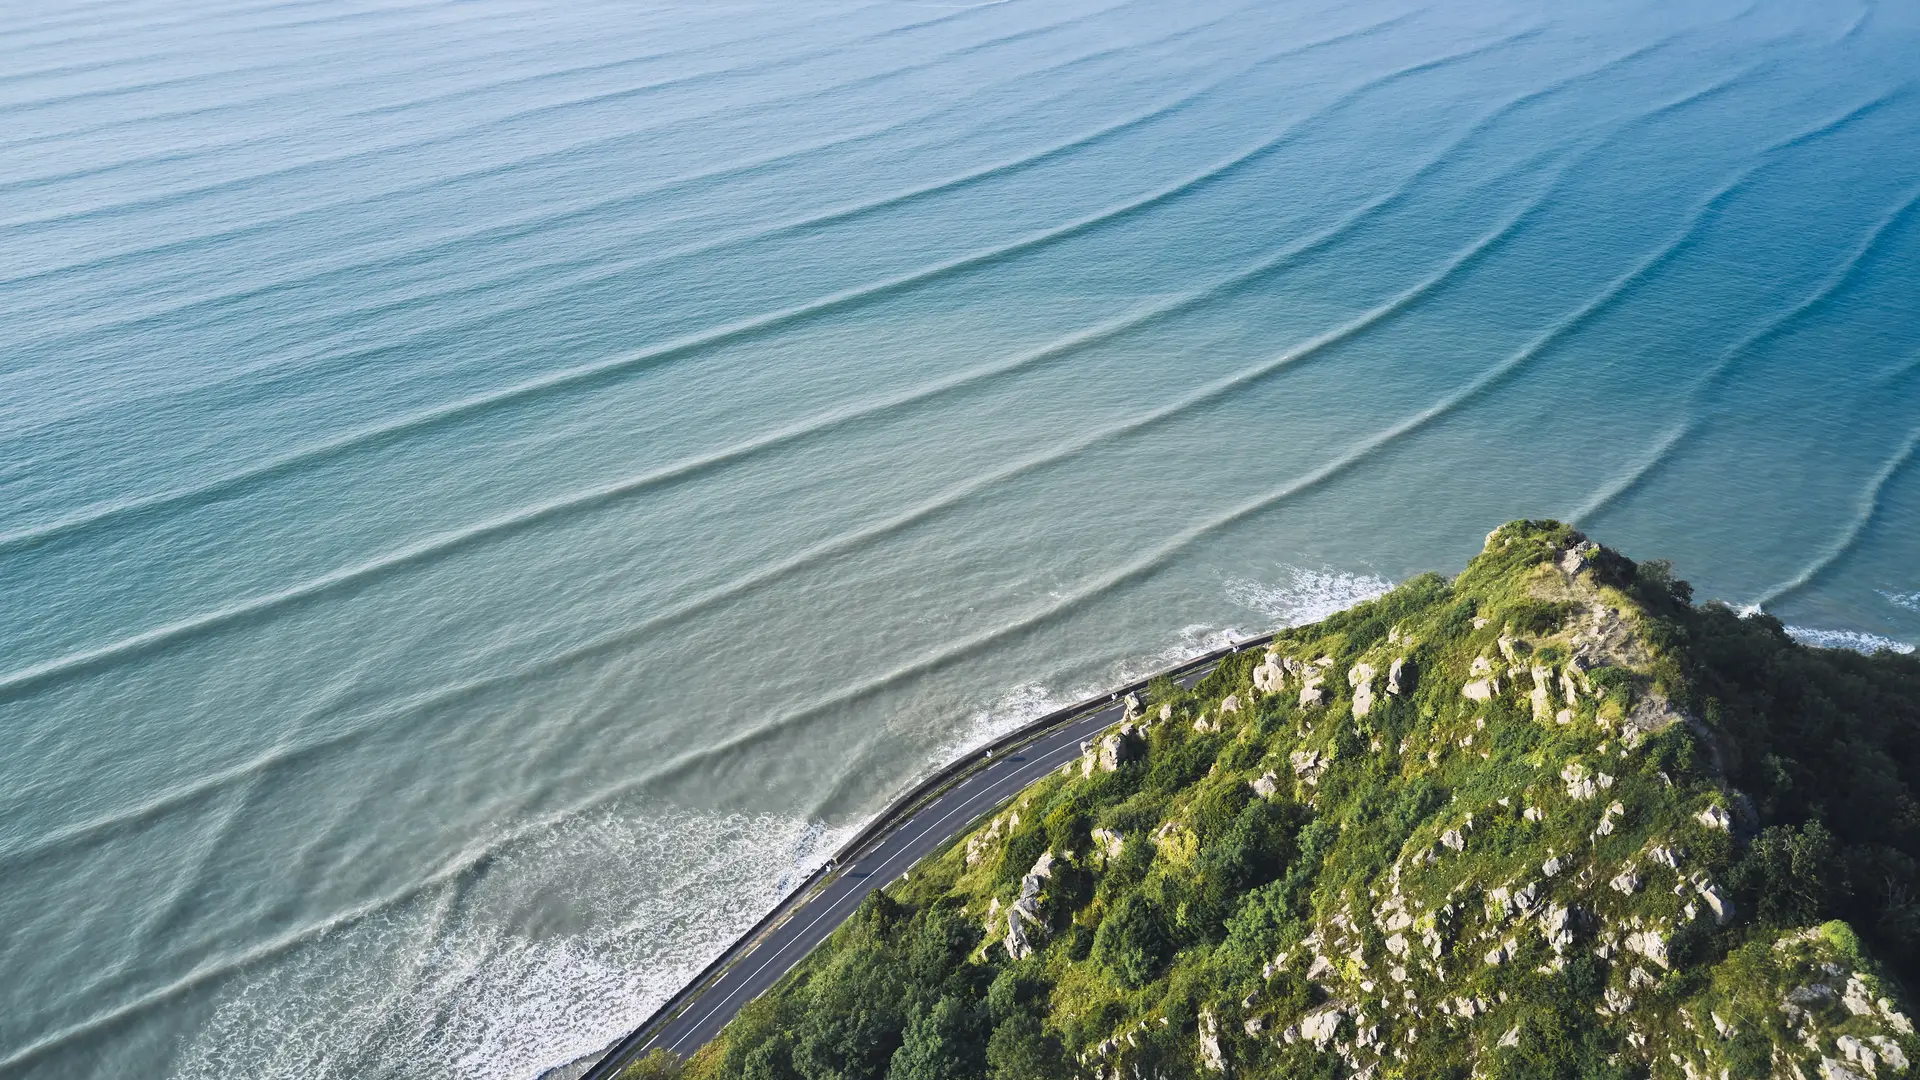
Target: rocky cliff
(1545, 819)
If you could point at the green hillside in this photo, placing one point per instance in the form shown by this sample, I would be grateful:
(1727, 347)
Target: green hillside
(1546, 819)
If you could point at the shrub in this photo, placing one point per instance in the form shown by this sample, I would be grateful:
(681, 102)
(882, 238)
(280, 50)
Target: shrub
(1132, 943)
(1784, 876)
(940, 1043)
(1020, 1050)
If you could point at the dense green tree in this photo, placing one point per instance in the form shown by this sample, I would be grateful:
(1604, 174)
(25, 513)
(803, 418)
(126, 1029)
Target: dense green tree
(938, 941)
(1132, 943)
(1786, 874)
(771, 1060)
(857, 1006)
(940, 1043)
(1020, 1050)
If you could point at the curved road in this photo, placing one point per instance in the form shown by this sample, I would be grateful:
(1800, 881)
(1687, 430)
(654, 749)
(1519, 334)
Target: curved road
(884, 859)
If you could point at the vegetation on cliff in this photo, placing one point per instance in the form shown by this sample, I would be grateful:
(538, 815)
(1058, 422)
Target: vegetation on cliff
(1547, 819)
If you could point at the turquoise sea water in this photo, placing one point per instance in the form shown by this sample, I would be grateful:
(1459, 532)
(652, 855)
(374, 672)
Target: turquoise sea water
(490, 491)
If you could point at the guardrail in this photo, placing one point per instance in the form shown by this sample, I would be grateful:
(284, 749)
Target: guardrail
(626, 1050)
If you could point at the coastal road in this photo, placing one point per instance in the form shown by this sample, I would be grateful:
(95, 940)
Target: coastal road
(892, 854)
(930, 827)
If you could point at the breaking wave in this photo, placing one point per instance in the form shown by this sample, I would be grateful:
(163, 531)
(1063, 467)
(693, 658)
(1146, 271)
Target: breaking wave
(1857, 640)
(475, 987)
(1908, 600)
(1305, 596)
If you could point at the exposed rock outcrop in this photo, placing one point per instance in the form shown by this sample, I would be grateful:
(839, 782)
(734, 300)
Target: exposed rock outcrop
(1485, 685)
(1496, 863)
(1322, 1025)
(1400, 676)
(1026, 910)
(1212, 1057)
(1312, 694)
(1270, 677)
(1360, 678)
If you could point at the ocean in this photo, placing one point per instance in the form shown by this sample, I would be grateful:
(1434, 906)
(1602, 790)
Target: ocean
(492, 491)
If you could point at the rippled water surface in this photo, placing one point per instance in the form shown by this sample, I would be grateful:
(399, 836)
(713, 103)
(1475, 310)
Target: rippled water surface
(490, 491)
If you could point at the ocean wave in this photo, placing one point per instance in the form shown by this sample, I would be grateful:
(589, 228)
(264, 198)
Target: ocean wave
(1867, 509)
(535, 283)
(1908, 600)
(548, 156)
(211, 150)
(707, 338)
(745, 741)
(147, 199)
(1027, 702)
(1857, 640)
(450, 989)
(1700, 395)
(1304, 596)
(1300, 596)
(38, 675)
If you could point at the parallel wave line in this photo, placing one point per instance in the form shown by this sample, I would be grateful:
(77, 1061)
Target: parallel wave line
(261, 99)
(97, 94)
(946, 500)
(742, 329)
(202, 151)
(38, 676)
(88, 15)
(957, 495)
(96, 65)
(171, 155)
(523, 226)
(595, 270)
(333, 19)
(100, 93)
(148, 202)
(108, 29)
(1664, 450)
(1608, 493)
(1146, 566)
(137, 60)
(1867, 510)
(114, 824)
(531, 224)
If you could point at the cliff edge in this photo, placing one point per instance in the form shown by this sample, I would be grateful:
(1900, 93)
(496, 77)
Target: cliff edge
(1545, 819)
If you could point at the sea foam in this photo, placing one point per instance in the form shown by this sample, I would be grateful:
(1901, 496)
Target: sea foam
(1857, 640)
(478, 986)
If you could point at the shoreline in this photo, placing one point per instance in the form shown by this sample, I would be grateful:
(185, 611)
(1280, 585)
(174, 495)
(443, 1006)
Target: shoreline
(607, 1063)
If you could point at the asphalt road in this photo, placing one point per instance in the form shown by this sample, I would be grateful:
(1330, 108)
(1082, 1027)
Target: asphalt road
(920, 835)
(931, 826)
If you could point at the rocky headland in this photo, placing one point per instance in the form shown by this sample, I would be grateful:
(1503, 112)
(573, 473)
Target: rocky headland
(1545, 819)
